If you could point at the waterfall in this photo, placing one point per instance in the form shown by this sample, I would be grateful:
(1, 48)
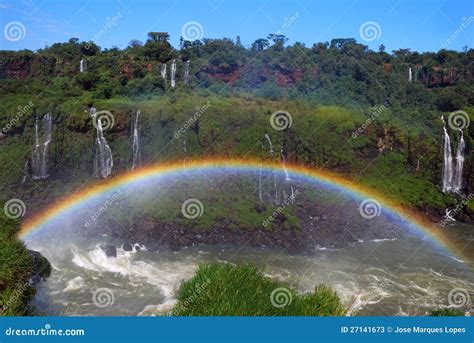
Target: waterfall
(410, 76)
(447, 161)
(163, 71)
(25, 172)
(186, 72)
(269, 143)
(185, 151)
(272, 153)
(82, 66)
(173, 73)
(457, 177)
(136, 140)
(452, 177)
(39, 158)
(103, 161)
(283, 161)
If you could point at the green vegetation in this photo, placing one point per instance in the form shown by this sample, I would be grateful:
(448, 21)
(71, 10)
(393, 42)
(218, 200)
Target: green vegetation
(445, 312)
(331, 89)
(17, 269)
(227, 290)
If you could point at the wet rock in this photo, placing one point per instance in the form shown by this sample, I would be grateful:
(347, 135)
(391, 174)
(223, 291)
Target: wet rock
(259, 207)
(109, 250)
(127, 247)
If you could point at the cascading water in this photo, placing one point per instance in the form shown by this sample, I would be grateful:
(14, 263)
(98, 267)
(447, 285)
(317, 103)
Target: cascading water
(82, 66)
(410, 75)
(39, 158)
(272, 153)
(452, 173)
(163, 71)
(287, 177)
(173, 74)
(457, 177)
(136, 140)
(103, 161)
(447, 161)
(186, 72)
(283, 161)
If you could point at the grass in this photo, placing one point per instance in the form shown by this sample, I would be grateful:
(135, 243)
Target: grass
(447, 312)
(17, 267)
(227, 290)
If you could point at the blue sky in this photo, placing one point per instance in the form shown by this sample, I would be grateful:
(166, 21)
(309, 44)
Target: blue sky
(423, 25)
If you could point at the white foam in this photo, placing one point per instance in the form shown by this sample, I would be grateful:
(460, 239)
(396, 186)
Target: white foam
(74, 284)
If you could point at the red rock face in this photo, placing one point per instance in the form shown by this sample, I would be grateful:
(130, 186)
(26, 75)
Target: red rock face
(17, 70)
(127, 70)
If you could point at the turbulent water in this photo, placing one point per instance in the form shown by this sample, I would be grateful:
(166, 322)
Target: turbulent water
(145, 283)
(392, 276)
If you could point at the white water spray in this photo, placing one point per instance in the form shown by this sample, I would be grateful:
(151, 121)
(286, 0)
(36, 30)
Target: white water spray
(136, 140)
(103, 161)
(457, 177)
(452, 173)
(39, 158)
(173, 74)
(186, 72)
(163, 71)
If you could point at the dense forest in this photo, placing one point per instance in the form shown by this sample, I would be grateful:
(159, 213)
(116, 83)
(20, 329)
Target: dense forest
(338, 72)
(351, 107)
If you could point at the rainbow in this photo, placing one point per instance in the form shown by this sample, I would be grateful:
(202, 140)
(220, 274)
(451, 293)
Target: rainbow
(418, 221)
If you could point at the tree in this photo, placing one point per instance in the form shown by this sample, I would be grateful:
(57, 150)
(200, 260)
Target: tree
(278, 41)
(260, 44)
(158, 37)
(157, 46)
(135, 43)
